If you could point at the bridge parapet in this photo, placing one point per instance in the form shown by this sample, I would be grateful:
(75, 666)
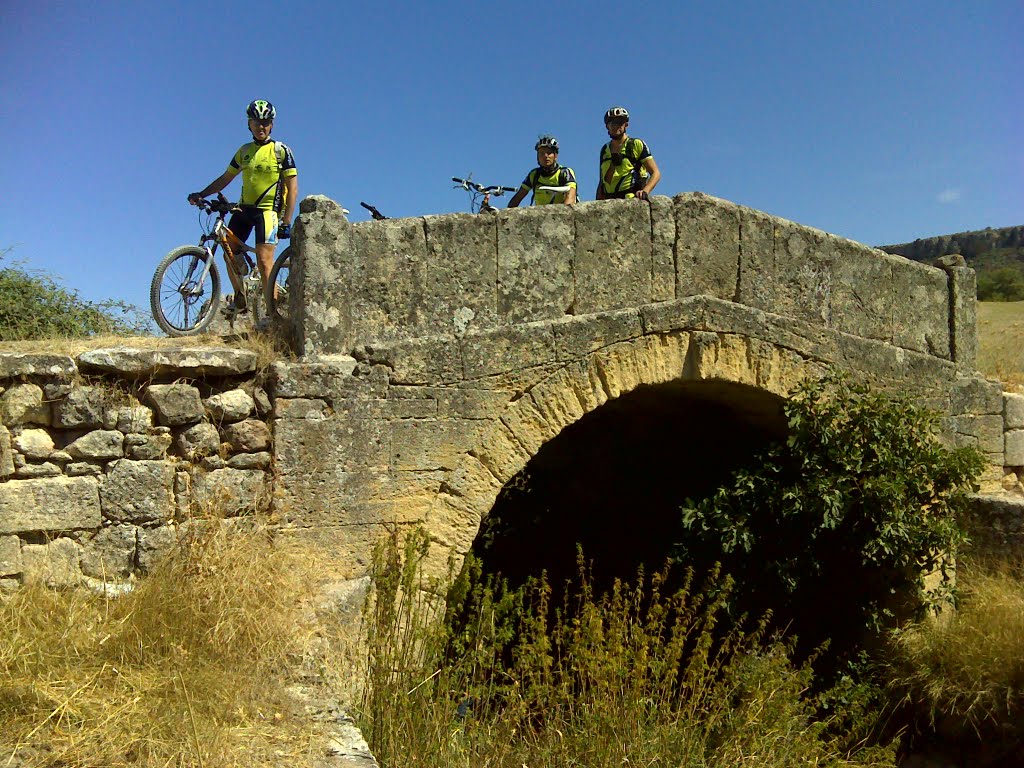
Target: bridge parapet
(383, 281)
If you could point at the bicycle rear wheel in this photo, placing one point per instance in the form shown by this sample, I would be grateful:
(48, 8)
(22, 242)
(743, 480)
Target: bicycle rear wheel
(182, 300)
(279, 289)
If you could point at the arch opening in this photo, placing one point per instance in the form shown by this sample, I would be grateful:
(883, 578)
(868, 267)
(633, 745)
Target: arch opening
(613, 482)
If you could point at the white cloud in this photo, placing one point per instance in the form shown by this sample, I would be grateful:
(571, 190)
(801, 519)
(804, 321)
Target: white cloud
(951, 195)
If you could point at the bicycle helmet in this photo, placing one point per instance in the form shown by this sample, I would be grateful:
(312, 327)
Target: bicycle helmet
(616, 113)
(547, 141)
(260, 110)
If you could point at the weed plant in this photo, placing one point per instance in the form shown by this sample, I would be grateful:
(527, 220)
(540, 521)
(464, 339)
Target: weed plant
(962, 678)
(187, 670)
(632, 677)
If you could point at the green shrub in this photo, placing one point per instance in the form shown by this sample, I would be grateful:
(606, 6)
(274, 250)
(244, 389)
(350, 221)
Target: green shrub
(1004, 284)
(34, 306)
(631, 677)
(835, 529)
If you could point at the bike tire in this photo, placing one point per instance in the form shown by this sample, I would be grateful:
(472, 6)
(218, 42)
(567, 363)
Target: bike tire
(278, 308)
(180, 305)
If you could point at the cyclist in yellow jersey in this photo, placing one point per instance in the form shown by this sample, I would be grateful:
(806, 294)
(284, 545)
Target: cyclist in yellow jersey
(627, 167)
(548, 173)
(270, 189)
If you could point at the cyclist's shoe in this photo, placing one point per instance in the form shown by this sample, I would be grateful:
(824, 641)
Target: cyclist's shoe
(233, 305)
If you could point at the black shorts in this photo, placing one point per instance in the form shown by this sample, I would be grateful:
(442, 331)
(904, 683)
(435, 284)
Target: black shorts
(246, 219)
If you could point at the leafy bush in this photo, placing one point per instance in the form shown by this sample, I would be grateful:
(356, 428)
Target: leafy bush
(1004, 284)
(635, 677)
(34, 306)
(835, 530)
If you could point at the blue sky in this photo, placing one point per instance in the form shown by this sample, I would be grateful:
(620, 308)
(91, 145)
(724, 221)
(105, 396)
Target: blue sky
(881, 122)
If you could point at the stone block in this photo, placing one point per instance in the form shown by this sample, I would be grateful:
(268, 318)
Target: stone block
(921, 315)
(152, 544)
(98, 445)
(757, 287)
(138, 492)
(576, 337)
(431, 360)
(681, 314)
(535, 258)
(663, 249)
(230, 492)
(233, 405)
(472, 403)
(963, 287)
(10, 556)
(613, 255)
(316, 378)
(431, 444)
(16, 364)
(261, 460)
(247, 436)
(34, 444)
(55, 563)
(85, 408)
(460, 279)
(507, 349)
(6, 455)
(134, 419)
(197, 441)
(110, 553)
(321, 277)
(83, 469)
(862, 298)
(192, 362)
(24, 404)
(331, 445)
(175, 404)
(1014, 448)
(49, 504)
(976, 395)
(300, 408)
(1013, 410)
(803, 275)
(147, 447)
(46, 469)
(707, 246)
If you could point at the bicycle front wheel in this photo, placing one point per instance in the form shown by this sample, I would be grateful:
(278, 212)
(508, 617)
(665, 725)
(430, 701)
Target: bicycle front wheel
(278, 288)
(184, 296)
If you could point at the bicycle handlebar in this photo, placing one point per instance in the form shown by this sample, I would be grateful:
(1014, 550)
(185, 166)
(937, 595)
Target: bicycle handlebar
(494, 189)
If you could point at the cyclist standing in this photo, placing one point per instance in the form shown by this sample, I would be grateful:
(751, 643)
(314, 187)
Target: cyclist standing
(269, 186)
(627, 166)
(547, 173)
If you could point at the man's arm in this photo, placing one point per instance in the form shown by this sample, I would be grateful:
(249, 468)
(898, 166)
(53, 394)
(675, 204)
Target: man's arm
(570, 196)
(517, 198)
(212, 188)
(653, 178)
(291, 185)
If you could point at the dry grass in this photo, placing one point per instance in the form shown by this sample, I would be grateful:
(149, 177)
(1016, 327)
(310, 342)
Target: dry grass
(967, 674)
(189, 669)
(1001, 341)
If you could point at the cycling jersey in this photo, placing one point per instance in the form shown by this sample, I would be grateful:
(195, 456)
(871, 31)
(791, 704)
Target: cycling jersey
(560, 176)
(628, 175)
(263, 167)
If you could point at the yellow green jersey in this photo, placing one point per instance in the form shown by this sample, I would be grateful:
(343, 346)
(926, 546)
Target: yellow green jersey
(559, 176)
(628, 172)
(264, 168)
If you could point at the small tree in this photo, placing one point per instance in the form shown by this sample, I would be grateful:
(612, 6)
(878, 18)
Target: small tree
(34, 306)
(835, 529)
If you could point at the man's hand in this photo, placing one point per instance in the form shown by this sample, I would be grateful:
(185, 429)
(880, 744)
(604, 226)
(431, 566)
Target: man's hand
(642, 195)
(195, 198)
(284, 231)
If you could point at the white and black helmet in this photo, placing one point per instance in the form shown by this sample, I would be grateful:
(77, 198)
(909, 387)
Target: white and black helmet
(616, 113)
(547, 141)
(260, 110)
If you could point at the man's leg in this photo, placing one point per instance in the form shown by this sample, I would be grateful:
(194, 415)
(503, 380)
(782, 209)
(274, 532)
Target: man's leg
(265, 259)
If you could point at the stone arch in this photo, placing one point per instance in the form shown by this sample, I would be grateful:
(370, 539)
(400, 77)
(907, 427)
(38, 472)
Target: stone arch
(568, 394)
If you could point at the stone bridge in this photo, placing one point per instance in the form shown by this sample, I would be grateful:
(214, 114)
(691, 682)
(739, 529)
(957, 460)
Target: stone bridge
(593, 365)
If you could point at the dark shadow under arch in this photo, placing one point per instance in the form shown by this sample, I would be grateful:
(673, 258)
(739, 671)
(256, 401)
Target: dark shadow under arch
(613, 482)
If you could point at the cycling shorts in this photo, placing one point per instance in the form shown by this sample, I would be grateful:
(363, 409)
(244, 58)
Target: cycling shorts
(246, 219)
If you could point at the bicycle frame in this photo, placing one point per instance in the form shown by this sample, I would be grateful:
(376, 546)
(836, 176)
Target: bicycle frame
(222, 236)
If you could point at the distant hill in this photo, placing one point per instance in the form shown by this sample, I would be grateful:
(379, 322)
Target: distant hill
(997, 255)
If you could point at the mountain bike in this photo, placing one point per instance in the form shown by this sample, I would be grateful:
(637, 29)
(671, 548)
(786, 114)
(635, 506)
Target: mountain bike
(480, 196)
(185, 292)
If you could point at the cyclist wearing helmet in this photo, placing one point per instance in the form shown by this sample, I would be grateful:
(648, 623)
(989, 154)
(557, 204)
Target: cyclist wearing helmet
(548, 173)
(270, 189)
(627, 166)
